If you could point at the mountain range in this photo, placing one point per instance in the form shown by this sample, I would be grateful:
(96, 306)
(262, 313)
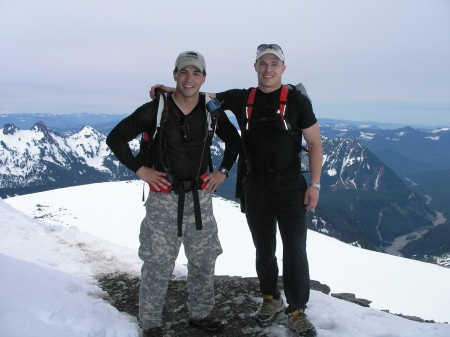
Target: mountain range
(378, 185)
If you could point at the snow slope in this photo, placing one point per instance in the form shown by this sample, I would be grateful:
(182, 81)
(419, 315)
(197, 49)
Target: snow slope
(47, 266)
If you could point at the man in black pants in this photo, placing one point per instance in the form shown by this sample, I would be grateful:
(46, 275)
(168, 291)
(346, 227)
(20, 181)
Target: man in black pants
(271, 186)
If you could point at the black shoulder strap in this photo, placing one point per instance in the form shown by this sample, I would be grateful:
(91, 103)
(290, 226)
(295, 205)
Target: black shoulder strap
(212, 108)
(245, 121)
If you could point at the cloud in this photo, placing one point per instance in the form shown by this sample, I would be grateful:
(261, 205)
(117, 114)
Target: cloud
(103, 56)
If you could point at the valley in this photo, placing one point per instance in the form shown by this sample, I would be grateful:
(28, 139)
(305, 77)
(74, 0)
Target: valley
(400, 242)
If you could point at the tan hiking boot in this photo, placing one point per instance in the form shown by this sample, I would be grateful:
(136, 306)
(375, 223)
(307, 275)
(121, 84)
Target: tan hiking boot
(269, 308)
(299, 323)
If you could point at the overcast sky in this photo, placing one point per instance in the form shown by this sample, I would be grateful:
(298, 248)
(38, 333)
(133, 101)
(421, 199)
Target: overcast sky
(375, 60)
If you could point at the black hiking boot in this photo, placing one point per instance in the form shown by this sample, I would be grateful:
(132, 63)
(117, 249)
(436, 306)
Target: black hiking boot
(209, 323)
(154, 332)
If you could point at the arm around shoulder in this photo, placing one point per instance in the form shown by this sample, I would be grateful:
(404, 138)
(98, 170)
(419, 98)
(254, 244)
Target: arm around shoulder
(228, 133)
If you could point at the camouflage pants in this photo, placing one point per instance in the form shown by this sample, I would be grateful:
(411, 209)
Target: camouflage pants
(159, 248)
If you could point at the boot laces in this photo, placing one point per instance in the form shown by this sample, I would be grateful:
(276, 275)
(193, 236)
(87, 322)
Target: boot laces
(265, 305)
(299, 318)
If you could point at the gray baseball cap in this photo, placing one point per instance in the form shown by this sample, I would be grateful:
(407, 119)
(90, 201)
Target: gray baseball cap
(190, 58)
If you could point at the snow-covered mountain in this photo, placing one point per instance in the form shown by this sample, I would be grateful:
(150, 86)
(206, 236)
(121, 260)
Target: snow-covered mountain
(368, 204)
(53, 243)
(39, 159)
(350, 165)
(399, 152)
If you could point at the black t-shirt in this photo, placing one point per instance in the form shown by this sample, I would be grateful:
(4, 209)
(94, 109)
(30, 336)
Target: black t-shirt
(185, 157)
(267, 143)
(186, 150)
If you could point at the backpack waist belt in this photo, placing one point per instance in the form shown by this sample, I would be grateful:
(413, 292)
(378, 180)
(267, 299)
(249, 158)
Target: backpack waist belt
(181, 188)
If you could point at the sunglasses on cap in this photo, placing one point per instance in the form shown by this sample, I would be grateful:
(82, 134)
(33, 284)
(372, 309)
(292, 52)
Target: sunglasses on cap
(263, 47)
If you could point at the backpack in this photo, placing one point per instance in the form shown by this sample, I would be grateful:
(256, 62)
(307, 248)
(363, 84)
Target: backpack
(303, 150)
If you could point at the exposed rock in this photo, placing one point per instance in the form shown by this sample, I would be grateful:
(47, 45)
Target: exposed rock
(316, 285)
(237, 301)
(412, 318)
(352, 298)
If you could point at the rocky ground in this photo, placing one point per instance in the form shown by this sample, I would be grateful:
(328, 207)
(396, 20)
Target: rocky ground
(237, 300)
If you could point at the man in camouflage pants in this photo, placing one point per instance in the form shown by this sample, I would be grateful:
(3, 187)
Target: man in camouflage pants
(179, 206)
(159, 250)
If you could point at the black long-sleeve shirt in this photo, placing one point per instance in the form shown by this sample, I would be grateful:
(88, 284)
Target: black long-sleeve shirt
(186, 158)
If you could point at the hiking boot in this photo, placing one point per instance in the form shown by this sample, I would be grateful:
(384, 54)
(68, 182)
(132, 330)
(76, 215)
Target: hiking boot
(153, 332)
(269, 308)
(209, 323)
(299, 323)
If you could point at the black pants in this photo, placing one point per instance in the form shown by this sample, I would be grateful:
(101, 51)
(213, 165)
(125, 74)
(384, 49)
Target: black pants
(271, 198)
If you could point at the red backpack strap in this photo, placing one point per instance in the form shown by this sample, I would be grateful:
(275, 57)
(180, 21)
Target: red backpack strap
(249, 107)
(283, 100)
